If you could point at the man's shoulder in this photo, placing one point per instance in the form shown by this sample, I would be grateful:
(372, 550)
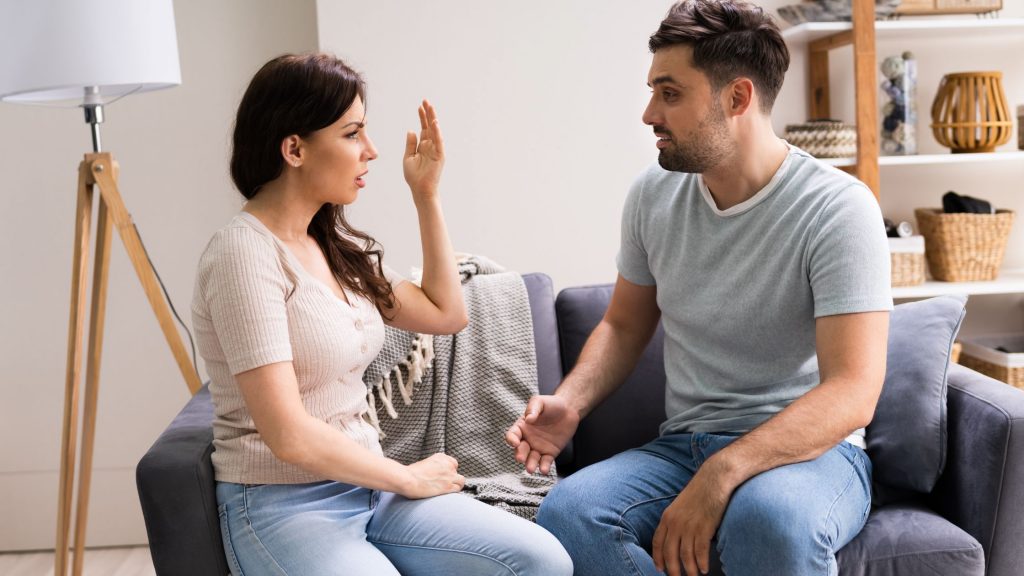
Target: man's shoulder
(810, 175)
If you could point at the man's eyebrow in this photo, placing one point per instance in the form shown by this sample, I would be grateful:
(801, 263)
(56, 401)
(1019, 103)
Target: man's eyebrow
(666, 79)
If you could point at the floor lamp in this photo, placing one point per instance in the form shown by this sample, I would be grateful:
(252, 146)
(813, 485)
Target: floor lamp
(89, 53)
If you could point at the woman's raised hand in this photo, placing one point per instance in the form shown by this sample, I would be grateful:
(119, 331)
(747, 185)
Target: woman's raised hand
(434, 476)
(424, 159)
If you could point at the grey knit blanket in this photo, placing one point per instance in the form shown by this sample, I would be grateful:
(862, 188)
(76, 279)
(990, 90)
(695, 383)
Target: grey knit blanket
(459, 394)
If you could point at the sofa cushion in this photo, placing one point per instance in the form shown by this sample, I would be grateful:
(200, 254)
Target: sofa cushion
(630, 416)
(907, 437)
(910, 540)
(541, 293)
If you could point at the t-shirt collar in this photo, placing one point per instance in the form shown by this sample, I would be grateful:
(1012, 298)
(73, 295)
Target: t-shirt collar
(754, 200)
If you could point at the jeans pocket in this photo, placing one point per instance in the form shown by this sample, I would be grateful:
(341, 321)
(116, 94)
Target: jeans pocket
(225, 535)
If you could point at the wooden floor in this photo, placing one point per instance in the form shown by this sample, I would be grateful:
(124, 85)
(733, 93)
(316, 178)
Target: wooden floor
(134, 561)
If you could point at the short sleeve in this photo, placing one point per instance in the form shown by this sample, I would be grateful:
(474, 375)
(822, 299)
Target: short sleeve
(632, 259)
(848, 258)
(245, 289)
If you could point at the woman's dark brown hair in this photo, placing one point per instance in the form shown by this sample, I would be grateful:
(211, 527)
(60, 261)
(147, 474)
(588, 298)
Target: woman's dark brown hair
(300, 94)
(730, 38)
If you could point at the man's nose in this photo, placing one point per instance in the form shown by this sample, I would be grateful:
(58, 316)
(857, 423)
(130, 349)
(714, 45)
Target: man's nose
(650, 115)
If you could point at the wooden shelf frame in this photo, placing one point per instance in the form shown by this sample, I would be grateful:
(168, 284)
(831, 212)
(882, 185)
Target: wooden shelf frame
(862, 37)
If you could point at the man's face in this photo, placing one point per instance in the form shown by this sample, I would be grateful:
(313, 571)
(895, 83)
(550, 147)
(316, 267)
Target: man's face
(686, 116)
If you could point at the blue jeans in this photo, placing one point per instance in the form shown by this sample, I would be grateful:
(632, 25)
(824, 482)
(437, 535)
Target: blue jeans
(333, 528)
(790, 520)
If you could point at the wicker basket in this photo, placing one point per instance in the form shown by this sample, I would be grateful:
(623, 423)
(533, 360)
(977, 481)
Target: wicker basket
(824, 138)
(979, 354)
(906, 258)
(964, 247)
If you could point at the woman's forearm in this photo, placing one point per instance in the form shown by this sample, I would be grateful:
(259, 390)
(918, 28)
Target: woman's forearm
(325, 451)
(440, 276)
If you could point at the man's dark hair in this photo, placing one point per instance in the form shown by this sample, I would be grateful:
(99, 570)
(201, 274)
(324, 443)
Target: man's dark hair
(730, 39)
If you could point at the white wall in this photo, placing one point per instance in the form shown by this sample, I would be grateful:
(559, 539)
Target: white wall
(541, 102)
(172, 147)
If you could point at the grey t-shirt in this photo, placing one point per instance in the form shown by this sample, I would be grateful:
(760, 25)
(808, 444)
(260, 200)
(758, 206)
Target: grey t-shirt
(740, 289)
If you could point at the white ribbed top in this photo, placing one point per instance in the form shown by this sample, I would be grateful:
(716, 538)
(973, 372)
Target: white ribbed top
(254, 305)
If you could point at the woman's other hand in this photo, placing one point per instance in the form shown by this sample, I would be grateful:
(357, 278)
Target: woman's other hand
(424, 159)
(434, 476)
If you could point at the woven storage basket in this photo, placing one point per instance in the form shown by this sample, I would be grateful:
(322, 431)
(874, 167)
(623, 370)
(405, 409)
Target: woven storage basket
(979, 354)
(964, 247)
(906, 258)
(824, 138)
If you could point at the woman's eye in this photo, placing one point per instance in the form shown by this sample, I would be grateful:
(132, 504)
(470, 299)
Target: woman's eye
(353, 135)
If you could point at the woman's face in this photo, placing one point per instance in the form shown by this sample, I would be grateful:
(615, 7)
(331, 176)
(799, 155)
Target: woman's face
(336, 157)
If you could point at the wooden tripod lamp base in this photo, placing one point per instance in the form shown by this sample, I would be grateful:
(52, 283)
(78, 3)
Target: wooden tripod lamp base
(99, 170)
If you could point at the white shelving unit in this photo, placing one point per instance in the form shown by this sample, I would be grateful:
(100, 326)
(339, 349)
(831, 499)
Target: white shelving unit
(1007, 33)
(995, 29)
(1009, 282)
(922, 159)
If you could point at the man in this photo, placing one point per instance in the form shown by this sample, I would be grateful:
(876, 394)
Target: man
(770, 274)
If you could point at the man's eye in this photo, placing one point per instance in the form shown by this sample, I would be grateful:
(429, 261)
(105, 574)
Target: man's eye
(668, 95)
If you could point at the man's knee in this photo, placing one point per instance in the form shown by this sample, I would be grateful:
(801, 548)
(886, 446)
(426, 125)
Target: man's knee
(577, 510)
(774, 532)
(561, 510)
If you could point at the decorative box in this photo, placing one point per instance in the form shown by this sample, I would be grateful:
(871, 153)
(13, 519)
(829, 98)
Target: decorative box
(927, 7)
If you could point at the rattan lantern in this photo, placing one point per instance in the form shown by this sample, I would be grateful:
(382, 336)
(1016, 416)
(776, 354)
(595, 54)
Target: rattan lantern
(970, 112)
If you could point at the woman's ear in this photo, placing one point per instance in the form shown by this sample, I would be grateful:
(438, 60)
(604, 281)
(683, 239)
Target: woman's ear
(291, 150)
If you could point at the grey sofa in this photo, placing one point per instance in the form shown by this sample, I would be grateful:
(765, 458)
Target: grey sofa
(971, 523)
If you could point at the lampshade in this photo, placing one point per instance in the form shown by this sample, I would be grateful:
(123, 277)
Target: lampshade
(54, 49)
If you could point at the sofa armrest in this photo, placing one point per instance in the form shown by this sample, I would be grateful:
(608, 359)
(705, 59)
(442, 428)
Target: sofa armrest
(982, 487)
(178, 494)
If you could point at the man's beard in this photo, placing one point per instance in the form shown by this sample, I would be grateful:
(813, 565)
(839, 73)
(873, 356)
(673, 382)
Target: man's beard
(703, 151)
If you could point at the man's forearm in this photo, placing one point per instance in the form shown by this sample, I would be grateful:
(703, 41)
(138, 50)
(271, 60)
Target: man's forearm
(804, 430)
(607, 358)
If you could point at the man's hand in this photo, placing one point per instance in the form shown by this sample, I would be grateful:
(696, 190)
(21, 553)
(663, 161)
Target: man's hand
(690, 522)
(541, 433)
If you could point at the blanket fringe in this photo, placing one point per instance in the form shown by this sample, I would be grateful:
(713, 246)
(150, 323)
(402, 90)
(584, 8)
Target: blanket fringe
(420, 357)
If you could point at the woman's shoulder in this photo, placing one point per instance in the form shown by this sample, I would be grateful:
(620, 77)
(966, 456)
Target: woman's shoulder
(236, 243)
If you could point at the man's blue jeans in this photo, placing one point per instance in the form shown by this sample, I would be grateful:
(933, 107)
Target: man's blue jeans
(787, 521)
(332, 528)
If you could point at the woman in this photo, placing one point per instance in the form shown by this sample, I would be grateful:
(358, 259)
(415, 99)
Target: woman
(289, 309)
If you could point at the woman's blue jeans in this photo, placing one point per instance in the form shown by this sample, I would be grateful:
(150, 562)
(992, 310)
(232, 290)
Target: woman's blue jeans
(332, 528)
(790, 520)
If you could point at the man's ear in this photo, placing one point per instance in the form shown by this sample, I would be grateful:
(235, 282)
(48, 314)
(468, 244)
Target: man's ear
(292, 150)
(740, 96)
